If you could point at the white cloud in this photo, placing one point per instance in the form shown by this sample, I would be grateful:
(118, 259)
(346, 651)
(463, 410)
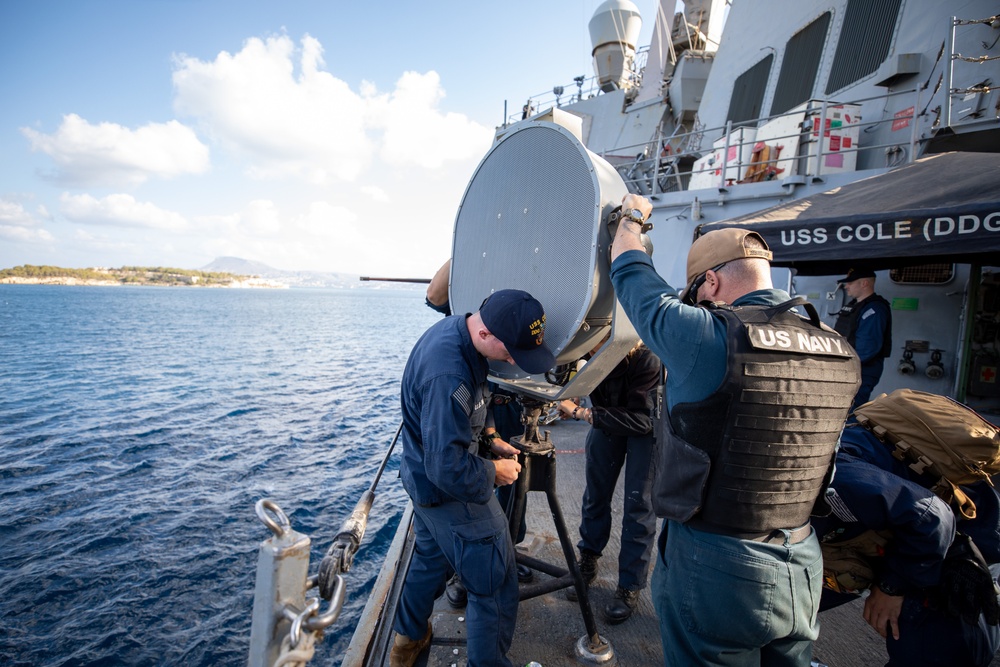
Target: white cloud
(110, 249)
(321, 237)
(297, 120)
(326, 220)
(109, 154)
(13, 233)
(392, 166)
(17, 224)
(374, 193)
(418, 134)
(261, 218)
(119, 210)
(306, 124)
(13, 213)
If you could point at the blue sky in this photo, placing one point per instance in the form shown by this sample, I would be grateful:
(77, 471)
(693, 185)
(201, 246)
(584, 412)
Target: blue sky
(327, 136)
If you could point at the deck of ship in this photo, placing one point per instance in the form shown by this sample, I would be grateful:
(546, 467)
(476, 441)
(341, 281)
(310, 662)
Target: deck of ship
(549, 626)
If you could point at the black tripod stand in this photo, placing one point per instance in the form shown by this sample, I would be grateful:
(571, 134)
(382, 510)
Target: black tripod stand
(538, 473)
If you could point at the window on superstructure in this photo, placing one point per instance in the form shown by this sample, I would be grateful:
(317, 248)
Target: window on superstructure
(748, 92)
(864, 42)
(799, 66)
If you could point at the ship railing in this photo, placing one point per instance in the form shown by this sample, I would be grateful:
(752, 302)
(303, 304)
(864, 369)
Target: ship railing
(980, 90)
(669, 161)
(582, 88)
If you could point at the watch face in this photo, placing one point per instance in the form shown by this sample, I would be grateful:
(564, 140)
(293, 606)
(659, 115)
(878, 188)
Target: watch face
(635, 214)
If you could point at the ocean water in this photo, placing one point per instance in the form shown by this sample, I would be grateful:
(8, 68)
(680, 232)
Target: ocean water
(138, 428)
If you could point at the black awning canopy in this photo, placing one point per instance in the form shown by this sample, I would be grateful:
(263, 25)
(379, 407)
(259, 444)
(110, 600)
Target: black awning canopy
(941, 208)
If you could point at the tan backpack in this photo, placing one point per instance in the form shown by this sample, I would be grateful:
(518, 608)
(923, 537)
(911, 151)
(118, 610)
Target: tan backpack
(938, 436)
(847, 565)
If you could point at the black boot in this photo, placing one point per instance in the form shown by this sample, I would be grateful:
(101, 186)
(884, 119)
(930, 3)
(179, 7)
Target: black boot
(588, 570)
(457, 596)
(588, 566)
(621, 608)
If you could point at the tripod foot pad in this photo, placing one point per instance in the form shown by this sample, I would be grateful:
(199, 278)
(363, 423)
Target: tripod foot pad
(600, 653)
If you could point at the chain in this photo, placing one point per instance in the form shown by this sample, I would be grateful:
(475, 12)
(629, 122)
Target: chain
(990, 20)
(982, 88)
(298, 647)
(975, 90)
(307, 626)
(977, 59)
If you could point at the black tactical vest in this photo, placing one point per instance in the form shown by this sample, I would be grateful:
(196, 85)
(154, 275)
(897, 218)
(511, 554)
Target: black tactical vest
(850, 316)
(754, 456)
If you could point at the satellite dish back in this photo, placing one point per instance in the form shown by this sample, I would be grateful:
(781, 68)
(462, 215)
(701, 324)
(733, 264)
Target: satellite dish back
(533, 217)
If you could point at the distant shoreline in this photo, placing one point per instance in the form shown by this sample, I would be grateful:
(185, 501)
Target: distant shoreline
(225, 272)
(157, 277)
(248, 283)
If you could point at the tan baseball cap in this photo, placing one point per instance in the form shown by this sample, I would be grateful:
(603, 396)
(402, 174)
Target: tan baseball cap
(719, 247)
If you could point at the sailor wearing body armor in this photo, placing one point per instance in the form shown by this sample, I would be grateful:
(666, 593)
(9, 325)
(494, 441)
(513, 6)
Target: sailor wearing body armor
(866, 322)
(756, 397)
(763, 443)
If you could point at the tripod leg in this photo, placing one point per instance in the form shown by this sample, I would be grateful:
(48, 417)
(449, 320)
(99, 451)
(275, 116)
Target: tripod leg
(517, 502)
(570, 554)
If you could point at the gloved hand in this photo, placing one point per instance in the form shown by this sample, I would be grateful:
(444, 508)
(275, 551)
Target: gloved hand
(967, 586)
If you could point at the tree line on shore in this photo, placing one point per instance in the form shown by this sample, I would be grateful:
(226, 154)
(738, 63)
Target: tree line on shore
(125, 275)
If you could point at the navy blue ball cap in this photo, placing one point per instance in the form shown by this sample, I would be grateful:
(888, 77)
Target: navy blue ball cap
(518, 321)
(856, 274)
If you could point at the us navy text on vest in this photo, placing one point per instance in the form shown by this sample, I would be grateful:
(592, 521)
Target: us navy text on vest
(769, 337)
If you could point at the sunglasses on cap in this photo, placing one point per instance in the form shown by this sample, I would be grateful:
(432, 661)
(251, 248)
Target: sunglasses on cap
(691, 296)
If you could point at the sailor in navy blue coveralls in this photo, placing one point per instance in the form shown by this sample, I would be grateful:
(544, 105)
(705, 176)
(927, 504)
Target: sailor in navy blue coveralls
(458, 523)
(506, 412)
(872, 490)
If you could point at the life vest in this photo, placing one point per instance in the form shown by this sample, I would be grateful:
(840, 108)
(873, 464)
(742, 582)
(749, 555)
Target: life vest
(754, 456)
(849, 318)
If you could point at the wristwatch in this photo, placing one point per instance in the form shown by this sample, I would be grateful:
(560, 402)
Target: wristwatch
(888, 589)
(634, 215)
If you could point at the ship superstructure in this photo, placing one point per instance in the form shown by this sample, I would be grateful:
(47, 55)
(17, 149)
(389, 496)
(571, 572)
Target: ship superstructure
(732, 110)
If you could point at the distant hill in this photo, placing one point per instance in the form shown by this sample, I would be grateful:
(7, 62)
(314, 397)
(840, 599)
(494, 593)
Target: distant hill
(300, 278)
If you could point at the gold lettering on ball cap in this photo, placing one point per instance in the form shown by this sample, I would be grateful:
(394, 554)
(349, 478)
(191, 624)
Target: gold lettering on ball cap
(538, 330)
